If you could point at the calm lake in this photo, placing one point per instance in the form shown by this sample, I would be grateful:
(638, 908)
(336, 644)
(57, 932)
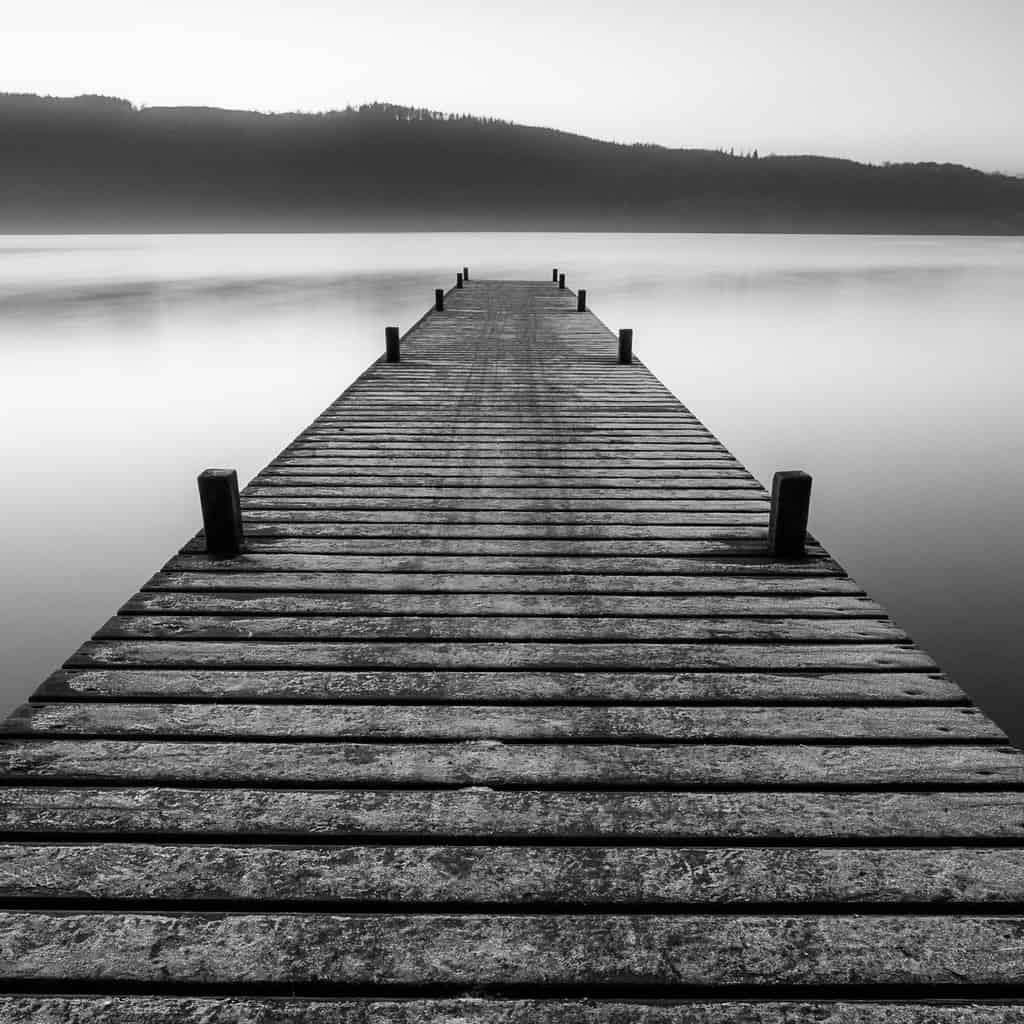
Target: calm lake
(891, 368)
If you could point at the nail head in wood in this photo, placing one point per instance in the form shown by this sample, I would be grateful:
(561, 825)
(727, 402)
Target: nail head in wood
(392, 345)
(626, 345)
(465, 273)
(458, 280)
(222, 511)
(791, 503)
(581, 301)
(439, 299)
(561, 280)
(554, 275)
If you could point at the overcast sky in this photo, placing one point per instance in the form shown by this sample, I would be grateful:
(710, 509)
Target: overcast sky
(895, 80)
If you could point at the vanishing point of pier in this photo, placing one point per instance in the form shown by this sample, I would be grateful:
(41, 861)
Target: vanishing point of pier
(507, 709)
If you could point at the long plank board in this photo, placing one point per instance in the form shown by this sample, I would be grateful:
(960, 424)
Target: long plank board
(564, 875)
(606, 951)
(480, 813)
(623, 722)
(497, 763)
(483, 688)
(471, 1010)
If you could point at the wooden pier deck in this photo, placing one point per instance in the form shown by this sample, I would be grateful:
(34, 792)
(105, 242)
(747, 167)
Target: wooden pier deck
(506, 716)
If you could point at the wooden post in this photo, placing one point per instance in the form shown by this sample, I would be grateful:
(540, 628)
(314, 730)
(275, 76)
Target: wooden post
(554, 275)
(626, 345)
(465, 273)
(581, 301)
(392, 345)
(222, 512)
(458, 280)
(439, 299)
(791, 502)
(561, 280)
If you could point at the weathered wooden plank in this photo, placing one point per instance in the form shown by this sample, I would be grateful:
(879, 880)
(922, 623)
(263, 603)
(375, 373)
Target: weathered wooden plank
(586, 605)
(665, 429)
(598, 451)
(494, 763)
(528, 875)
(566, 504)
(547, 565)
(643, 537)
(530, 421)
(360, 460)
(218, 576)
(501, 687)
(475, 950)
(396, 487)
(440, 722)
(494, 815)
(651, 657)
(284, 1010)
(658, 523)
(456, 476)
(425, 547)
(502, 628)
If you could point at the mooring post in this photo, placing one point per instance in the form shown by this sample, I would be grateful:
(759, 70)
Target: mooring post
(458, 280)
(465, 273)
(554, 275)
(439, 299)
(222, 511)
(581, 301)
(561, 280)
(392, 345)
(791, 502)
(626, 345)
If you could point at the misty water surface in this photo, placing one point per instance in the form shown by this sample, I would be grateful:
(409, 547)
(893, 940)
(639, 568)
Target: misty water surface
(889, 367)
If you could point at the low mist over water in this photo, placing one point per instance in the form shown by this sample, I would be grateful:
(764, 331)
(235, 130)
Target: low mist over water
(888, 367)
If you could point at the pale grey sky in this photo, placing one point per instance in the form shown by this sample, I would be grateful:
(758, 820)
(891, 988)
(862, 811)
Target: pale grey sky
(899, 80)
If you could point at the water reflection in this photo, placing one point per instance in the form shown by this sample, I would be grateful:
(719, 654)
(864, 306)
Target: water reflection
(888, 367)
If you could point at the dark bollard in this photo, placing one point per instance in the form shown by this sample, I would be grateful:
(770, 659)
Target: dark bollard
(554, 275)
(791, 502)
(439, 299)
(581, 301)
(465, 273)
(561, 280)
(626, 345)
(222, 512)
(458, 280)
(392, 345)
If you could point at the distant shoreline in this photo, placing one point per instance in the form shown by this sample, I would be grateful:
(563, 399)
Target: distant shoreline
(95, 165)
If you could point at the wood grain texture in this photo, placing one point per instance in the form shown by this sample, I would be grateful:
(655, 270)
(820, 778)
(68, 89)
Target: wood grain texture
(530, 688)
(578, 586)
(483, 656)
(493, 815)
(441, 722)
(511, 875)
(495, 763)
(599, 951)
(629, 606)
(476, 564)
(534, 628)
(285, 1010)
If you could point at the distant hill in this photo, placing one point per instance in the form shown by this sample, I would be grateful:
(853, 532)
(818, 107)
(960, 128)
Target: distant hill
(98, 164)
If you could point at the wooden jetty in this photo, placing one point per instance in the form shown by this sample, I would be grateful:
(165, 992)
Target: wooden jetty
(508, 711)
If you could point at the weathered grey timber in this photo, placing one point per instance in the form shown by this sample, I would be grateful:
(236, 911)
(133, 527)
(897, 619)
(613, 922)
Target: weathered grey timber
(506, 713)
(471, 1010)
